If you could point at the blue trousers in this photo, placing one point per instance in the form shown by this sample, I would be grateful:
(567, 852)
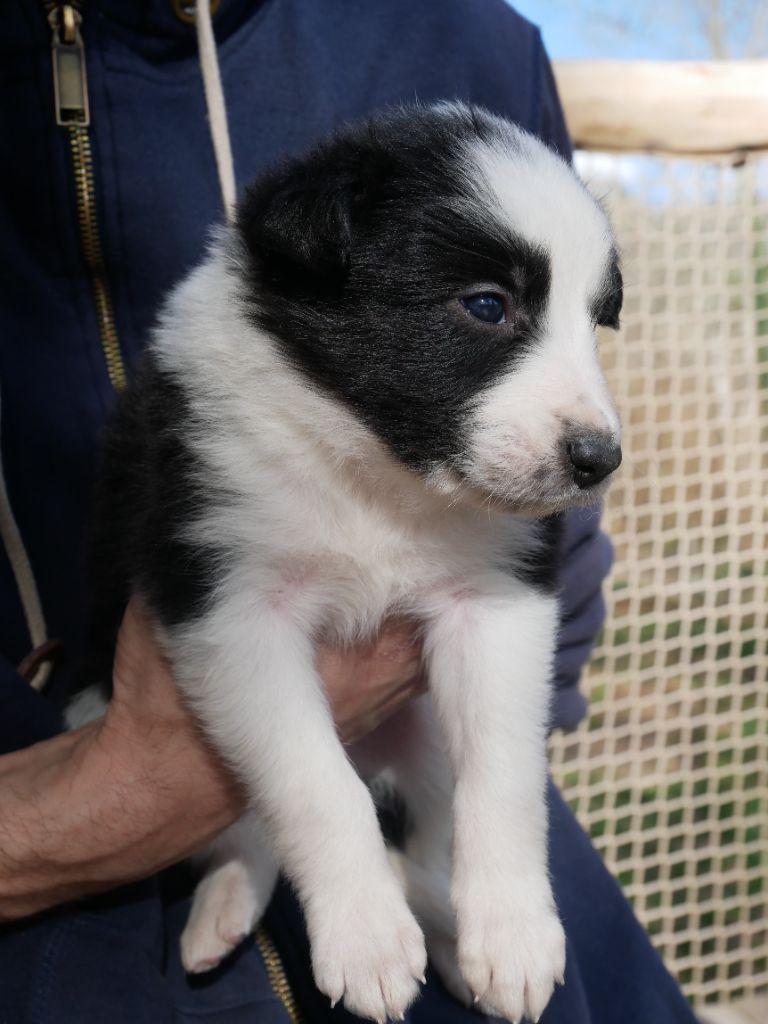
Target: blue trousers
(115, 959)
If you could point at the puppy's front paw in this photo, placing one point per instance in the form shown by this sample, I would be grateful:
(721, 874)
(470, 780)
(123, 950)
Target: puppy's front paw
(511, 951)
(370, 952)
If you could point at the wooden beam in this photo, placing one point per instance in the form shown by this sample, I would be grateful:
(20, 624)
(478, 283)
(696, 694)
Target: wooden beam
(666, 106)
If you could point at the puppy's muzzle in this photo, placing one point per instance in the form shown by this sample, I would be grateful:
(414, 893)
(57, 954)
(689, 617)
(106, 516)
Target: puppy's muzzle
(593, 457)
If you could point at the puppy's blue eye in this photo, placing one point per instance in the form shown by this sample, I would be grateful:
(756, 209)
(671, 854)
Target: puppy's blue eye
(486, 307)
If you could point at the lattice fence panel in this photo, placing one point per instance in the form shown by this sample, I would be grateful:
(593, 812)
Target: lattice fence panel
(670, 772)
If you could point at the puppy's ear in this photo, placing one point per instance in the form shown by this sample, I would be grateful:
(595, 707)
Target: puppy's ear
(298, 222)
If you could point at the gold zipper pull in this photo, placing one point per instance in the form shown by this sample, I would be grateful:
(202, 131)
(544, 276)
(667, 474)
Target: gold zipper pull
(70, 85)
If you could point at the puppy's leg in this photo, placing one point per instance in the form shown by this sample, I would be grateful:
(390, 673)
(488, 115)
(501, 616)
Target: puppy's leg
(412, 748)
(248, 668)
(489, 649)
(231, 897)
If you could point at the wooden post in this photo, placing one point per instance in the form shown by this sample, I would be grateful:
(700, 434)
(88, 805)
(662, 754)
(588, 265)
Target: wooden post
(666, 106)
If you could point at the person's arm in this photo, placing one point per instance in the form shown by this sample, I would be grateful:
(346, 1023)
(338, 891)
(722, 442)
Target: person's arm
(123, 797)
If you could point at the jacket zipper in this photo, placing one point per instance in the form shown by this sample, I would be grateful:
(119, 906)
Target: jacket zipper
(70, 86)
(275, 969)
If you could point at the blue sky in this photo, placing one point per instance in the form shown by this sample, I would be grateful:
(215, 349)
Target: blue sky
(568, 32)
(657, 31)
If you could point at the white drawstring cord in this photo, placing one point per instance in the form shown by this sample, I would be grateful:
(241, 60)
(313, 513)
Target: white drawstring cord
(25, 579)
(214, 101)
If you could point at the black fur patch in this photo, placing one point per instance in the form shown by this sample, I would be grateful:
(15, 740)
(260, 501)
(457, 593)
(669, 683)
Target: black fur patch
(360, 254)
(394, 820)
(541, 565)
(148, 491)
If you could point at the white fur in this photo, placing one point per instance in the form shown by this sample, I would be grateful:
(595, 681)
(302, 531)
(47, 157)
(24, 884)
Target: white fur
(326, 535)
(521, 419)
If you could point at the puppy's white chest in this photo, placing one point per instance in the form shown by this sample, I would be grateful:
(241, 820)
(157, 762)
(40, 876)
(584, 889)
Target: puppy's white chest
(370, 568)
(350, 593)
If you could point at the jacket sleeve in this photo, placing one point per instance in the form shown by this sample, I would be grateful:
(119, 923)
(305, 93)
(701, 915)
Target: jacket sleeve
(552, 128)
(587, 559)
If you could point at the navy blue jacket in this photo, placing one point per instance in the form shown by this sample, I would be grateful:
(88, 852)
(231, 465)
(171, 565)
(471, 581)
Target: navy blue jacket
(292, 70)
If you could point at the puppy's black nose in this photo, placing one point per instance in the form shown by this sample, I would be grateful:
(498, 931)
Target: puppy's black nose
(593, 457)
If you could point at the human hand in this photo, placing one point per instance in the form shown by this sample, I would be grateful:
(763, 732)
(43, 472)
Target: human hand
(368, 683)
(126, 796)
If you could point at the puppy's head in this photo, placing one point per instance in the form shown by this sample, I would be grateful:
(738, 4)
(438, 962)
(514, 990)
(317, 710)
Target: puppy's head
(442, 273)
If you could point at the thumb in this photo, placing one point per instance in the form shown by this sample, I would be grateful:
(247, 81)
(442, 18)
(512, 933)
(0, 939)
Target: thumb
(141, 676)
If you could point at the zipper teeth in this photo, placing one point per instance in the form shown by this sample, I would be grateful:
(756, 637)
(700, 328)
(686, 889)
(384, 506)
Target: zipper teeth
(276, 974)
(85, 190)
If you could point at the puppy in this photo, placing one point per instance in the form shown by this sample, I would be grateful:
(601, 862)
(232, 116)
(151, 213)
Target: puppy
(372, 398)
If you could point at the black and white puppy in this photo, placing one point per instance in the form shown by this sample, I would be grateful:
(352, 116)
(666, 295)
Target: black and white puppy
(370, 399)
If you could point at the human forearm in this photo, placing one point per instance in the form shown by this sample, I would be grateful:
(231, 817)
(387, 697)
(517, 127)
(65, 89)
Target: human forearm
(77, 815)
(141, 789)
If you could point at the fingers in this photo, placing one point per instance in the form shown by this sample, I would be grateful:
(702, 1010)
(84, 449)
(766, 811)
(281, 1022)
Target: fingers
(142, 680)
(398, 640)
(356, 728)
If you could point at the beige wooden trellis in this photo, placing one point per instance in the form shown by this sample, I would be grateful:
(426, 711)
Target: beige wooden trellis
(670, 772)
